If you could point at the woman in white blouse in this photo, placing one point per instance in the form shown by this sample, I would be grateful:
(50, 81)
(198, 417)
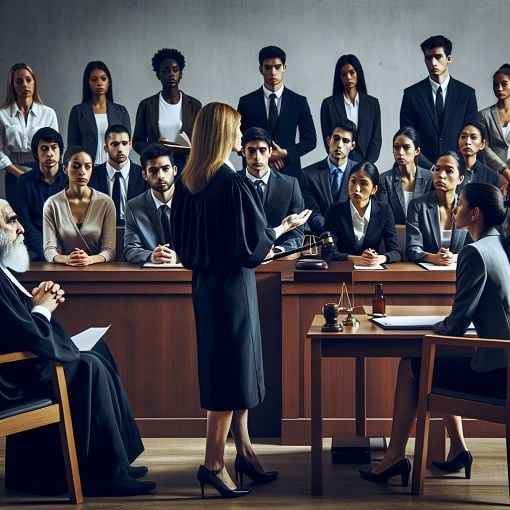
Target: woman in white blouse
(21, 115)
(89, 120)
(79, 222)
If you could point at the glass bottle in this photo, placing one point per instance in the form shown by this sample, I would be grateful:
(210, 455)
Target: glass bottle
(378, 301)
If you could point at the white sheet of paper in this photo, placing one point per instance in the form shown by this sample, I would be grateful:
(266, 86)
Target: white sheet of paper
(370, 268)
(86, 339)
(409, 321)
(150, 264)
(433, 267)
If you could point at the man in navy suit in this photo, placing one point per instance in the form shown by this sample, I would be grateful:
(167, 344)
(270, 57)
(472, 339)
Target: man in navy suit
(438, 106)
(281, 112)
(280, 194)
(147, 236)
(119, 177)
(325, 182)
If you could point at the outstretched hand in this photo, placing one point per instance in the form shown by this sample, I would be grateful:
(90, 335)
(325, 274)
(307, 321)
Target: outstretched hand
(295, 220)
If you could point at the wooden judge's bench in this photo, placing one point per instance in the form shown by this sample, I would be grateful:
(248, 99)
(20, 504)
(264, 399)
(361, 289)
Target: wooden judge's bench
(152, 337)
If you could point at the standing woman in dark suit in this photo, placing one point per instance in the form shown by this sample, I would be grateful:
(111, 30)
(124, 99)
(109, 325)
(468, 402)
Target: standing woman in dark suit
(431, 235)
(220, 232)
(351, 101)
(161, 117)
(360, 224)
(496, 119)
(89, 120)
(406, 180)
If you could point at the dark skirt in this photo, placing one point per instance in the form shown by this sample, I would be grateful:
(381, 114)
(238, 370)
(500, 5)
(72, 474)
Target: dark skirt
(229, 347)
(456, 374)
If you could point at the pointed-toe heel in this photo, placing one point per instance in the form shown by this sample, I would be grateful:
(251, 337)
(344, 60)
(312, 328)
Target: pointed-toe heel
(462, 460)
(244, 467)
(207, 477)
(402, 468)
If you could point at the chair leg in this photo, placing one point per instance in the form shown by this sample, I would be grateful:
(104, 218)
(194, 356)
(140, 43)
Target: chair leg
(420, 450)
(67, 437)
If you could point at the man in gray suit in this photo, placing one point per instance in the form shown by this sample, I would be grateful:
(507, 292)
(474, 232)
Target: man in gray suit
(325, 182)
(147, 236)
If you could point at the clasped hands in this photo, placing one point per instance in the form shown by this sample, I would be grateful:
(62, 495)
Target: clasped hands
(163, 254)
(278, 157)
(368, 258)
(48, 294)
(78, 257)
(444, 257)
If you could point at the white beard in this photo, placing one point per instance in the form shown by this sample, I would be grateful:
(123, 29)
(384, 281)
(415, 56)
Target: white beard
(14, 254)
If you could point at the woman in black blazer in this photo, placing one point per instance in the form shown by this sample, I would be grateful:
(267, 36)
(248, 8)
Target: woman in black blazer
(89, 120)
(406, 180)
(349, 88)
(161, 117)
(356, 239)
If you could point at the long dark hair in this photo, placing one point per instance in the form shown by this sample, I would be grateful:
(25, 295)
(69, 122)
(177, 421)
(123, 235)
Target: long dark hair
(354, 62)
(489, 199)
(87, 94)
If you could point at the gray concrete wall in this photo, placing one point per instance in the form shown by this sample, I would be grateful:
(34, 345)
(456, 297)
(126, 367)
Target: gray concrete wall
(221, 38)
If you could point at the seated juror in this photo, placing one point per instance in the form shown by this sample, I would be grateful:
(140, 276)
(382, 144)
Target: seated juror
(326, 182)
(34, 188)
(279, 193)
(147, 236)
(119, 177)
(431, 235)
(360, 225)
(79, 221)
(107, 438)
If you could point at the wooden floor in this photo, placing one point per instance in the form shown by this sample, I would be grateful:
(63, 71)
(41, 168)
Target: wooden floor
(173, 464)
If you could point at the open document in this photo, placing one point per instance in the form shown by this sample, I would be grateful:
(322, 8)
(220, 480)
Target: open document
(86, 340)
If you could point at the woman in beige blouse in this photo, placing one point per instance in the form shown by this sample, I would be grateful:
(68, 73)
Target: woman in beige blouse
(79, 222)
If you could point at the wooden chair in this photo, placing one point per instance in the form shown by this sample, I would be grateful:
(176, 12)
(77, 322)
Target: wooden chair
(496, 410)
(36, 412)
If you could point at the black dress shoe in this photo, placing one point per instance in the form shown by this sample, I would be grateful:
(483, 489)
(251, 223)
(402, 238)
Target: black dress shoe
(402, 468)
(462, 460)
(131, 487)
(137, 471)
(243, 467)
(205, 476)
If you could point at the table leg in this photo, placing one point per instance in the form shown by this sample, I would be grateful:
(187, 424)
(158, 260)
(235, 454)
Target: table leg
(361, 397)
(316, 418)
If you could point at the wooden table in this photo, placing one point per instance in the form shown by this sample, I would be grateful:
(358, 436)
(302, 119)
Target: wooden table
(365, 340)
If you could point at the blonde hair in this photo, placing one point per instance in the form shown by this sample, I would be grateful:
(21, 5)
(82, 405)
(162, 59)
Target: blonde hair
(214, 136)
(10, 96)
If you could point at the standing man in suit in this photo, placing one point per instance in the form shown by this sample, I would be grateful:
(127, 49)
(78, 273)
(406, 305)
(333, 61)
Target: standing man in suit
(281, 112)
(280, 194)
(147, 235)
(326, 182)
(438, 106)
(119, 177)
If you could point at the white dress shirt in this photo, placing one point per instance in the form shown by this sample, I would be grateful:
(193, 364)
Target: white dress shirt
(444, 88)
(352, 109)
(158, 203)
(278, 93)
(360, 223)
(16, 134)
(124, 182)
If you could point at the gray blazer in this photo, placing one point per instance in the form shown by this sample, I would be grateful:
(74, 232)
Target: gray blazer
(482, 297)
(422, 229)
(143, 230)
(82, 127)
(496, 149)
(391, 192)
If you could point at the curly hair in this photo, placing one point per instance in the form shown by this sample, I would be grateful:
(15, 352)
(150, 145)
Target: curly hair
(164, 54)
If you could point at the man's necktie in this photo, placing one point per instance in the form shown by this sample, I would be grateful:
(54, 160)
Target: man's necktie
(260, 190)
(273, 114)
(116, 196)
(335, 185)
(164, 215)
(439, 106)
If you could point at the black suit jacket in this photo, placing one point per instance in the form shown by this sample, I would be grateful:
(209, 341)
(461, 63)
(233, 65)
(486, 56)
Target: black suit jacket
(281, 198)
(381, 228)
(368, 137)
(316, 188)
(294, 116)
(418, 111)
(136, 183)
(82, 127)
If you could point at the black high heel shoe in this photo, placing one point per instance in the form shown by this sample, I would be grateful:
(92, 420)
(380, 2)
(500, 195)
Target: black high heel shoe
(402, 468)
(462, 460)
(243, 467)
(205, 476)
